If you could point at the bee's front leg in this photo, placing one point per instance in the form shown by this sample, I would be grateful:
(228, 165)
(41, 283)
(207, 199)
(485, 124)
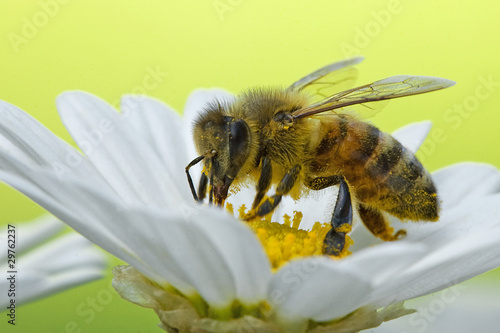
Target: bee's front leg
(190, 180)
(334, 241)
(270, 203)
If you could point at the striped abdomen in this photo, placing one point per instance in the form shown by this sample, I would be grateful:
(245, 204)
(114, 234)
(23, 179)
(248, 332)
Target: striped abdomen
(382, 173)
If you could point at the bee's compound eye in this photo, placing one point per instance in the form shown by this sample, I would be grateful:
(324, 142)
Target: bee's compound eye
(238, 138)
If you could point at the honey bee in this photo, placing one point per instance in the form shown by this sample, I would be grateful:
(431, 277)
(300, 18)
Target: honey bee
(309, 136)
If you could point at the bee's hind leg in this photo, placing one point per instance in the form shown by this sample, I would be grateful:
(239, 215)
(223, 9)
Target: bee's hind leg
(269, 203)
(335, 239)
(378, 225)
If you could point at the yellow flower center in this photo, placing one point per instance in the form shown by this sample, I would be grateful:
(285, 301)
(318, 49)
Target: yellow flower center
(284, 242)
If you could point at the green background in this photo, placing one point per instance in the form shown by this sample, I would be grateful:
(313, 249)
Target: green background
(168, 48)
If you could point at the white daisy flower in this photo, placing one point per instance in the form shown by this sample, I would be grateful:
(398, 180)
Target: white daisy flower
(201, 269)
(36, 268)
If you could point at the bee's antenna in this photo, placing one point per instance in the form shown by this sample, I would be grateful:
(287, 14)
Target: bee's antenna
(190, 180)
(211, 186)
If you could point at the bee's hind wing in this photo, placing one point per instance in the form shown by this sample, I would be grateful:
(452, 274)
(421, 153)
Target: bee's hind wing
(328, 80)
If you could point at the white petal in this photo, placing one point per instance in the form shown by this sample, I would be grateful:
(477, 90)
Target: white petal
(63, 263)
(467, 307)
(216, 254)
(162, 128)
(70, 202)
(24, 138)
(454, 263)
(413, 135)
(385, 260)
(249, 265)
(348, 283)
(458, 183)
(204, 248)
(71, 251)
(473, 252)
(462, 221)
(37, 285)
(464, 211)
(125, 160)
(318, 289)
(28, 140)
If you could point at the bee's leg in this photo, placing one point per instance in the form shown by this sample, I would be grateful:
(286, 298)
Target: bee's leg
(320, 183)
(378, 225)
(264, 181)
(202, 186)
(285, 185)
(190, 180)
(334, 241)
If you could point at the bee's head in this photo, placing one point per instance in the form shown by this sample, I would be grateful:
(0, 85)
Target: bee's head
(225, 142)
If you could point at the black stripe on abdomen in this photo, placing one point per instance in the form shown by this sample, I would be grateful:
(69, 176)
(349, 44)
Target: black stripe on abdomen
(367, 144)
(388, 156)
(406, 175)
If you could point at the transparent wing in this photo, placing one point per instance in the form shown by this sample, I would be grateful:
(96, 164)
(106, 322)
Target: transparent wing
(360, 98)
(328, 80)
